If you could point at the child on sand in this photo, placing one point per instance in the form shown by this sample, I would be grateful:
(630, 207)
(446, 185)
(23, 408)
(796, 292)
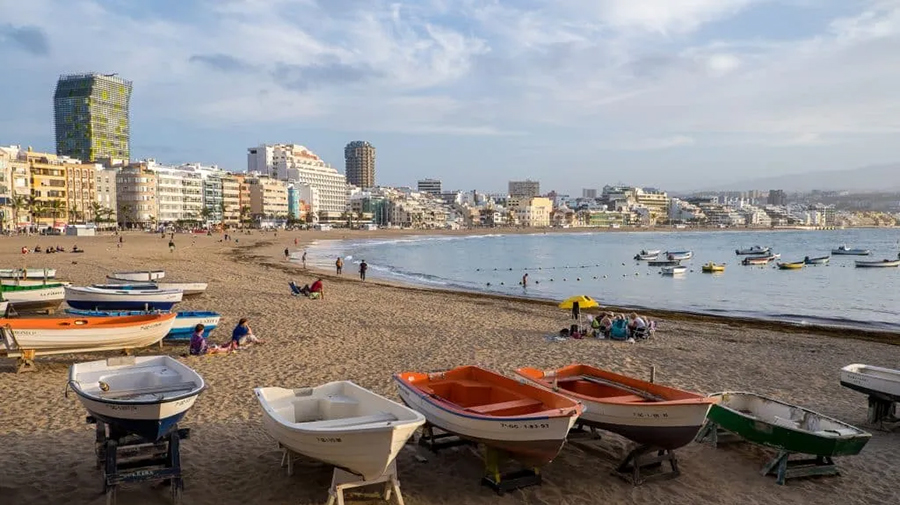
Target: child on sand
(243, 335)
(199, 345)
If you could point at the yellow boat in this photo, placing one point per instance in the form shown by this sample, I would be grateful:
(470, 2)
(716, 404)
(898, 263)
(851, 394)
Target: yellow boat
(713, 268)
(791, 266)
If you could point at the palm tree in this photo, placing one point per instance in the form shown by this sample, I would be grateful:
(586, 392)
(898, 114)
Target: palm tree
(206, 213)
(96, 212)
(245, 214)
(124, 209)
(34, 207)
(18, 203)
(75, 214)
(55, 207)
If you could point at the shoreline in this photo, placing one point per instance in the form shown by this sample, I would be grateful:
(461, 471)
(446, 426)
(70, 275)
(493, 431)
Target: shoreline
(849, 332)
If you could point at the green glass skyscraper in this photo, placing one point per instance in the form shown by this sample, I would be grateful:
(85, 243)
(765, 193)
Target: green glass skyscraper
(91, 112)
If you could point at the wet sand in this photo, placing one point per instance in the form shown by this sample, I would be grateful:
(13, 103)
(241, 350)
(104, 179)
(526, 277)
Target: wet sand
(365, 332)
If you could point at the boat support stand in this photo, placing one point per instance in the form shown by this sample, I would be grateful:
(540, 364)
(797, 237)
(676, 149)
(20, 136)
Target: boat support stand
(436, 442)
(501, 482)
(641, 458)
(127, 458)
(342, 480)
(781, 466)
(882, 412)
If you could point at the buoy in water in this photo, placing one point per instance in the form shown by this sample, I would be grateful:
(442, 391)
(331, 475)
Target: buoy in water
(578, 279)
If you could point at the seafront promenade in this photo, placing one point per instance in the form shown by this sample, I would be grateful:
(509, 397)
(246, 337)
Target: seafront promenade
(365, 332)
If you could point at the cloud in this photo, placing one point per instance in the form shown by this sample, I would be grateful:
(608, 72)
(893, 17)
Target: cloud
(31, 39)
(334, 73)
(223, 62)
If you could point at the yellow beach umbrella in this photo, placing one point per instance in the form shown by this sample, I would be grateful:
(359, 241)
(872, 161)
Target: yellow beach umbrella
(584, 302)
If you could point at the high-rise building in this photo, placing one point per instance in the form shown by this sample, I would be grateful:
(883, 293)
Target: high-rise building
(91, 116)
(589, 193)
(359, 159)
(524, 189)
(777, 197)
(432, 186)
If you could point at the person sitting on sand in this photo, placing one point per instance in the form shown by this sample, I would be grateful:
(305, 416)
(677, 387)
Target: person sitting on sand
(199, 344)
(317, 290)
(37, 249)
(243, 335)
(606, 323)
(75, 249)
(636, 325)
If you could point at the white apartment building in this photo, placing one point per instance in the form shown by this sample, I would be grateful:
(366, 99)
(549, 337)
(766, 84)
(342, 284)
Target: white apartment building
(106, 190)
(179, 193)
(297, 164)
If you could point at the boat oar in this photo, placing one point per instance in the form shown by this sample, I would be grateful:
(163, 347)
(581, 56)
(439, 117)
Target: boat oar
(643, 394)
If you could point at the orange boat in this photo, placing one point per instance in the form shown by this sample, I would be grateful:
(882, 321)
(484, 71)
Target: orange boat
(527, 422)
(647, 413)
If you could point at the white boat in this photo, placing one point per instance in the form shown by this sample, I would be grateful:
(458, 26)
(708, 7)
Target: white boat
(339, 423)
(33, 298)
(32, 273)
(145, 276)
(651, 252)
(4, 306)
(93, 298)
(755, 250)
(843, 250)
(679, 255)
(47, 336)
(646, 256)
(878, 264)
(188, 288)
(674, 270)
(882, 383)
(145, 395)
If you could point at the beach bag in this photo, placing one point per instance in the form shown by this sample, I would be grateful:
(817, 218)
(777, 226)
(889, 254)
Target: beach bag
(619, 330)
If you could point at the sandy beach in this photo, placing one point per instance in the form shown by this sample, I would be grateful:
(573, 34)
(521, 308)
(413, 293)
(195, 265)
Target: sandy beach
(365, 332)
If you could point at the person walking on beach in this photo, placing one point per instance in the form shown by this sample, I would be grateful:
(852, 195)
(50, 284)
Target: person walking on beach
(304, 260)
(287, 254)
(171, 246)
(362, 270)
(525, 280)
(339, 265)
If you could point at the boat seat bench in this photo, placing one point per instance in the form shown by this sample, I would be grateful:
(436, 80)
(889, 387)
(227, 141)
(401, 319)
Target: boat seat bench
(152, 390)
(512, 404)
(346, 422)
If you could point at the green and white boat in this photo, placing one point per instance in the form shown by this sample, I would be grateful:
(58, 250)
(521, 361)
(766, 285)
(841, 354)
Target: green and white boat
(42, 297)
(785, 427)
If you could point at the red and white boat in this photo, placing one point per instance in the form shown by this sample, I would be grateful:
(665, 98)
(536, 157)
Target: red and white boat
(644, 412)
(527, 422)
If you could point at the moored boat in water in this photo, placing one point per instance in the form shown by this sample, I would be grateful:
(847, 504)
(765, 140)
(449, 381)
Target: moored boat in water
(673, 270)
(843, 250)
(527, 422)
(663, 263)
(821, 260)
(886, 263)
(711, 268)
(755, 250)
(679, 255)
(796, 265)
(757, 260)
(145, 395)
(644, 412)
(339, 423)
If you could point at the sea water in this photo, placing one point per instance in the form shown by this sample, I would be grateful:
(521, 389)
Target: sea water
(601, 265)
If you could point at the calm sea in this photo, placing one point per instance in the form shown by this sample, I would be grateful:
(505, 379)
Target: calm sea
(601, 265)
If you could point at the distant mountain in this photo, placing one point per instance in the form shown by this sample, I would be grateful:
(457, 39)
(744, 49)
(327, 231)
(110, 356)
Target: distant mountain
(871, 178)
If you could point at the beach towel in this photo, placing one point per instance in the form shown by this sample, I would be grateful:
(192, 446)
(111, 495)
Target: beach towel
(619, 330)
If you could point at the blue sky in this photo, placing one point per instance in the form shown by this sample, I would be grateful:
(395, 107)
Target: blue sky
(576, 93)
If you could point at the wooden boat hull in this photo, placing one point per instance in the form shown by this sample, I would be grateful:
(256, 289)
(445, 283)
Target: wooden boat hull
(850, 252)
(878, 264)
(73, 335)
(182, 329)
(147, 416)
(355, 435)
(679, 255)
(32, 282)
(533, 440)
(753, 251)
(711, 269)
(670, 423)
(33, 273)
(145, 276)
(91, 298)
(777, 433)
(34, 298)
(818, 261)
(756, 261)
(790, 266)
(882, 383)
(645, 257)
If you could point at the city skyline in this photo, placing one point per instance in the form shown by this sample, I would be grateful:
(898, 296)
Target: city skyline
(479, 93)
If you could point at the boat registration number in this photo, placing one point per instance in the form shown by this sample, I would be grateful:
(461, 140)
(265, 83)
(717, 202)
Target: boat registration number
(329, 440)
(525, 426)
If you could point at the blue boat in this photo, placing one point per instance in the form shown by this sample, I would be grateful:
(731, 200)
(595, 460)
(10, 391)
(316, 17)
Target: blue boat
(181, 330)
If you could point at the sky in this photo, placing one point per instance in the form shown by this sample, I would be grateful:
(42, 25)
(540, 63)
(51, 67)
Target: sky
(674, 94)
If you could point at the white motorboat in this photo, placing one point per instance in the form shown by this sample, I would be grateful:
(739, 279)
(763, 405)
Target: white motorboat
(753, 251)
(843, 250)
(883, 383)
(27, 273)
(674, 270)
(339, 423)
(679, 255)
(188, 288)
(143, 276)
(878, 264)
(34, 298)
(47, 336)
(144, 395)
(106, 298)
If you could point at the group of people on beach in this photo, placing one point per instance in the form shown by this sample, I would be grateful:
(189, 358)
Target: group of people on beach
(242, 335)
(620, 326)
(50, 250)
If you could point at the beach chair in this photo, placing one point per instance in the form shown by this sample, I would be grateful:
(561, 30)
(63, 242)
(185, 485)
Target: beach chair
(646, 332)
(619, 330)
(294, 289)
